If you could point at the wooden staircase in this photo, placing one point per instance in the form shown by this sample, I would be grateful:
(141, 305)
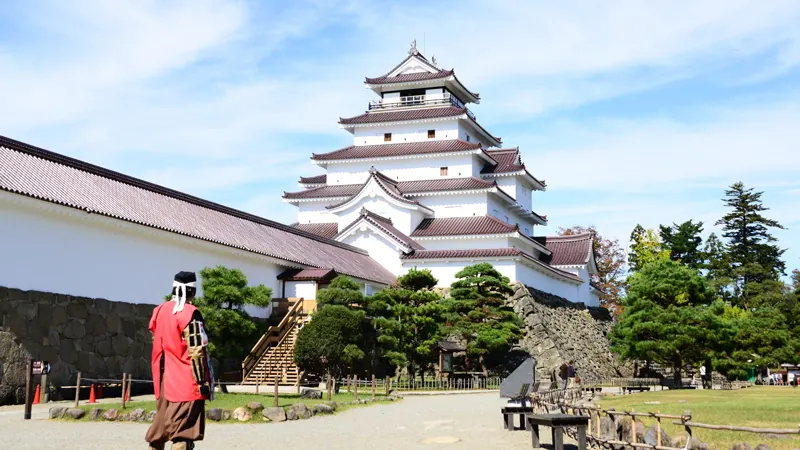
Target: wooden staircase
(273, 354)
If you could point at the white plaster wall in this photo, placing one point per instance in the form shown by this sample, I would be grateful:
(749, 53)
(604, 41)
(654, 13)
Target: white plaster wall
(401, 217)
(391, 97)
(315, 213)
(381, 249)
(64, 251)
(446, 272)
(356, 172)
(508, 184)
(534, 278)
(413, 132)
(434, 93)
(499, 209)
(455, 205)
(301, 289)
(462, 244)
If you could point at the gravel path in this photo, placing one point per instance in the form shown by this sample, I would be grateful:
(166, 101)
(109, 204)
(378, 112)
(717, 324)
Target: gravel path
(469, 421)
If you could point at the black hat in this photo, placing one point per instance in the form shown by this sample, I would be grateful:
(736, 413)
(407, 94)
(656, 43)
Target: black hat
(185, 277)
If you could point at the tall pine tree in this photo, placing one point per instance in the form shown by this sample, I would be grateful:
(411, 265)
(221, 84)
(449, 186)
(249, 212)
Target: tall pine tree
(683, 242)
(752, 252)
(478, 314)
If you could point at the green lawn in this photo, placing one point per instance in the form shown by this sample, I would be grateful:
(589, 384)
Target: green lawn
(760, 407)
(233, 401)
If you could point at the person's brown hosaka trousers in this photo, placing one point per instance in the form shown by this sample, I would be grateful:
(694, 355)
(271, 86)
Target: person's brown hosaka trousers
(180, 422)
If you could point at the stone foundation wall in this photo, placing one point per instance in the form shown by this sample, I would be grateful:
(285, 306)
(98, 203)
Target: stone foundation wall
(559, 330)
(99, 338)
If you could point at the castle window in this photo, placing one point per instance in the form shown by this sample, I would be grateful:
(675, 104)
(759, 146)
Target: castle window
(387, 137)
(431, 134)
(443, 171)
(467, 138)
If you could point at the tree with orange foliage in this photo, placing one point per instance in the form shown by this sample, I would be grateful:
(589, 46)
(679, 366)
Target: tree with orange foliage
(610, 258)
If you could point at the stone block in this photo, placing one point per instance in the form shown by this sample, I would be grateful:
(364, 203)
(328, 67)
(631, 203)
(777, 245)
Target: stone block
(323, 409)
(77, 310)
(113, 323)
(242, 414)
(74, 330)
(111, 415)
(57, 412)
(311, 393)
(274, 414)
(301, 410)
(138, 415)
(651, 437)
(291, 414)
(214, 414)
(120, 344)
(104, 348)
(255, 407)
(76, 413)
(67, 353)
(741, 446)
(58, 315)
(96, 414)
(96, 325)
(227, 414)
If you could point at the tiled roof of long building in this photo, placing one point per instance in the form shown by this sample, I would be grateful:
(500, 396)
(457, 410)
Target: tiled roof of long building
(387, 226)
(409, 77)
(326, 230)
(51, 177)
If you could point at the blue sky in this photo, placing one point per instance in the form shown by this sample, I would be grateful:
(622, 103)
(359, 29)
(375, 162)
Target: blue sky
(633, 112)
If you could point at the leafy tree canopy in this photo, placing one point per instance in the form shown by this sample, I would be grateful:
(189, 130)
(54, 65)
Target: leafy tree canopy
(684, 242)
(326, 343)
(231, 330)
(343, 291)
(668, 282)
(645, 248)
(610, 258)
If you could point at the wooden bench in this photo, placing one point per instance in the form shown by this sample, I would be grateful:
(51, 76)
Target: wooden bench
(557, 423)
(635, 388)
(526, 407)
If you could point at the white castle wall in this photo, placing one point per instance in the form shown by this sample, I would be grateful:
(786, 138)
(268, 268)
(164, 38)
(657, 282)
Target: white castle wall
(315, 213)
(357, 172)
(406, 133)
(380, 249)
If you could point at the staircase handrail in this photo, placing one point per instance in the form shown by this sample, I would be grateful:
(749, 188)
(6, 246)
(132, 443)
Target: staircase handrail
(262, 346)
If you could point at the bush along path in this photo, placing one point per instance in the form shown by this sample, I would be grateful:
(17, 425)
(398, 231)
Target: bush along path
(232, 408)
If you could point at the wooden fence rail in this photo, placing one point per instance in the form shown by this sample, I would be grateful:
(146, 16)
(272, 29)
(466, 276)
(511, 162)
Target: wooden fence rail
(565, 401)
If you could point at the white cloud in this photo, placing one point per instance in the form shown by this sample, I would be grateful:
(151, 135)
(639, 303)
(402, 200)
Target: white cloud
(652, 155)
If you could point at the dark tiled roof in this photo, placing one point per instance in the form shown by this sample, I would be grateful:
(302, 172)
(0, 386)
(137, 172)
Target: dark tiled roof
(316, 179)
(444, 184)
(386, 225)
(572, 250)
(405, 188)
(409, 77)
(331, 190)
(487, 253)
(326, 230)
(405, 114)
(458, 226)
(450, 346)
(307, 275)
(55, 178)
(507, 161)
(400, 149)
(387, 184)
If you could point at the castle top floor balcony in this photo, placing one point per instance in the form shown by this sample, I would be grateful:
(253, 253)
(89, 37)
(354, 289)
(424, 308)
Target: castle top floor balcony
(415, 101)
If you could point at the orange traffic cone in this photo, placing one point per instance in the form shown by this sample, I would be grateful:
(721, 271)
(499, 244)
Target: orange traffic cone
(38, 393)
(91, 396)
(128, 394)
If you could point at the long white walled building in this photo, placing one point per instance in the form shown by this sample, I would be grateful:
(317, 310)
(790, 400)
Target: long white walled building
(425, 185)
(72, 228)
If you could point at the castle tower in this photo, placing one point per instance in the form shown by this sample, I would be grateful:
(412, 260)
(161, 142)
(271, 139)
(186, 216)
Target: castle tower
(426, 185)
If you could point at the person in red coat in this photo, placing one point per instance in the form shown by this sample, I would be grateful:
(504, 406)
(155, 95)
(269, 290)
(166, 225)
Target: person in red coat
(182, 376)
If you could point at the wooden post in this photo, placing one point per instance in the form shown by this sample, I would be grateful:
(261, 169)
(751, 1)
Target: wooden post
(355, 387)
(373, 387)
(45, 391)
(658, 428)
(330, 386)
(386, 384)
(123, 389)
(599, 419)
(28, 400)
(78, 390)
(275, 395)
(633, 427)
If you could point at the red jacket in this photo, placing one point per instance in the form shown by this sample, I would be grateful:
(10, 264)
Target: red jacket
(167, 328)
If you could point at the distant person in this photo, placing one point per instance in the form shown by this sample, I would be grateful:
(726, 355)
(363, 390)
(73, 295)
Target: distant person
(563, 373)
(571, 373)
(182, 375)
